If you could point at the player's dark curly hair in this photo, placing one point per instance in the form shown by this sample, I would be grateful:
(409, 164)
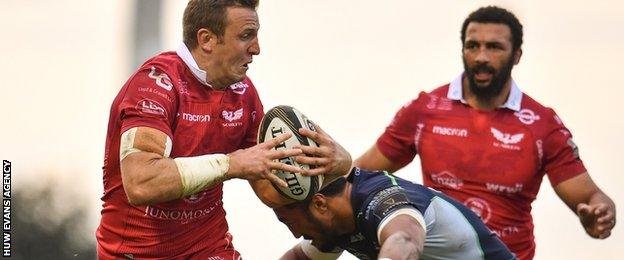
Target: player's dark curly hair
(334, 188)
(494, 14)
(209, 14)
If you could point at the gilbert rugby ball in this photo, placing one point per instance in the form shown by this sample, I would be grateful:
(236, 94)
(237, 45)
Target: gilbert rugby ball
(285, 119)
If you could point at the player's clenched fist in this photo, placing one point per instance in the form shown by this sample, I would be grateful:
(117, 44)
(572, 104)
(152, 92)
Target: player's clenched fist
(598, 219)
(258, 162)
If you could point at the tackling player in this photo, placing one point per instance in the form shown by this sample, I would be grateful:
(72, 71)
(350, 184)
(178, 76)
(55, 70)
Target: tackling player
(375, 215)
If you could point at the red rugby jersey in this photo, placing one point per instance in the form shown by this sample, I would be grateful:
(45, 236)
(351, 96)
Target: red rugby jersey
(169, 93)
(491, 161)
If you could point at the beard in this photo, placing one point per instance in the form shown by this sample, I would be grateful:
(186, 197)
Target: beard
(488, 92)
(328, 233)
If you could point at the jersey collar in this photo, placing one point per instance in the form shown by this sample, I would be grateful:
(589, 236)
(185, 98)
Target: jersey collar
(513, 102)
(185, 54)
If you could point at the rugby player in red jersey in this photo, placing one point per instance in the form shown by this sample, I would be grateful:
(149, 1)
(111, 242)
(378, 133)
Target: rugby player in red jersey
(485, 143)
(182, 124)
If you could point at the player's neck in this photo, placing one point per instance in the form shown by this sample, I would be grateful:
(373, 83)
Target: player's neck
(485, 104)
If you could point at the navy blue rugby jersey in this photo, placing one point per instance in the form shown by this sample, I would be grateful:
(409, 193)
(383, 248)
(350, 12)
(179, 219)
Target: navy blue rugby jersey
(452, 230)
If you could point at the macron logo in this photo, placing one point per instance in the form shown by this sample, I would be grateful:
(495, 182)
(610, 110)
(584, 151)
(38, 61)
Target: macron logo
(449, 131)
(195, 118)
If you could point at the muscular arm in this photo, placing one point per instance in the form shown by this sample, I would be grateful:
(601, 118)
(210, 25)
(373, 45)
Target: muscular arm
(373, 159)
(595, 209)
(150, 177)
(402, 237)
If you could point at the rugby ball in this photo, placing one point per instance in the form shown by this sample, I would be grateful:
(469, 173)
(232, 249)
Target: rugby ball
(285, 119)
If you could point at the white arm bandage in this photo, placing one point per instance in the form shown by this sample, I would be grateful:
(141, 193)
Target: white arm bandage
(126, 144)
(412, 212)
(196, 172)
(313, 253)
(200, 172)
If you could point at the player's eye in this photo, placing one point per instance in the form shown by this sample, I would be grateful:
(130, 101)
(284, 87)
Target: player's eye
(471, 46)
(495, 46)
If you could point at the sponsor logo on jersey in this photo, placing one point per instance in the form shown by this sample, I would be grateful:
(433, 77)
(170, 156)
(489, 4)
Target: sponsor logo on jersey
(448, 179)
(386, 200)
(506, 231)
(506, 140)
(197, 197)
(433, 100)
(232, 116)
(161, 79)
(149, 106)
(156, 92)
(527, 116)
(195, 118)
(479, 207)
(440, 103)
(572, 145)
(419, 128)
(450, 131)
(499, 188)
(177, 214)
(239, 87)
(183, 88)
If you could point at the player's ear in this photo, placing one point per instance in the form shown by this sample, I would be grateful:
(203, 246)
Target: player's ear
(206, 40)
(319, 203)
(516, 56)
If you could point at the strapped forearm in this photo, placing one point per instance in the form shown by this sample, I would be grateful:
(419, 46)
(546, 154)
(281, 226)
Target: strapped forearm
(200, 172)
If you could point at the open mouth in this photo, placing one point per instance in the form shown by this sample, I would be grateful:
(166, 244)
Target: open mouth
(482, 76)
(246, 65)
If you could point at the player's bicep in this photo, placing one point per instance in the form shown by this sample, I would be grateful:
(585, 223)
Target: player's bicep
(408, 221)
(144, 139)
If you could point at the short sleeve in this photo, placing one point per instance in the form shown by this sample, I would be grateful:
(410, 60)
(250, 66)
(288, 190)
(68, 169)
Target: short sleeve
(397, 141)
(149, 100)
(383, 204)
(561, 157)
(257, 112)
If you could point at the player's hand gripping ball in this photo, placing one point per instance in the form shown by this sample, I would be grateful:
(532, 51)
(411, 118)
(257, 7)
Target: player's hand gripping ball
(285, 119)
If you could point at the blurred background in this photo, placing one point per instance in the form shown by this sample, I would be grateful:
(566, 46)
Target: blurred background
(349, 65)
